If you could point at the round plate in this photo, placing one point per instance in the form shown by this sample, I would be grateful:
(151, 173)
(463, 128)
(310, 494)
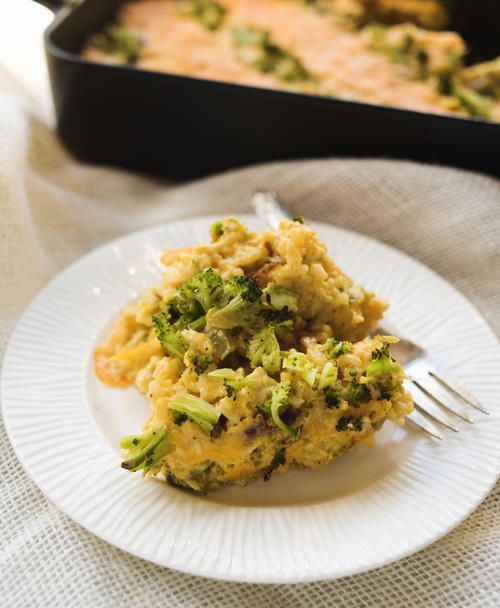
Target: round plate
(369, 508)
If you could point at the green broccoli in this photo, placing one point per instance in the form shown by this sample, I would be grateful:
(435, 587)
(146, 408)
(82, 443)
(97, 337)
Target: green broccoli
(119, 40)
(198, 324)
(382, 369)
(205, 288)
(356, 393)
(186, 309)
(200, 362)
(232, 382)
(280, 320)
(298, 362)
(333, 348)
(267, 56)
(348, 423)
(332, 397)
(264, 350)
(385, 393)
(277, 404)
(183, 309)
(240, 304)
(280, 298)
(216, 231)
(475, 103)
(178, 418)
(280, 402)
(171, 339)
(196, 409)
(209, 13)
(143, 451)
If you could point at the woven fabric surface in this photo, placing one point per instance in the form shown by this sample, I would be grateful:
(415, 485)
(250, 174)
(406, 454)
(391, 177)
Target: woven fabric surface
(53, 210)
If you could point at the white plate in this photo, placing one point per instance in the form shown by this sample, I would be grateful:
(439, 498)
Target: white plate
(366, 510)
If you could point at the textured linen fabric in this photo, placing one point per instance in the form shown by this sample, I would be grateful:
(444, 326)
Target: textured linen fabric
(53, 210)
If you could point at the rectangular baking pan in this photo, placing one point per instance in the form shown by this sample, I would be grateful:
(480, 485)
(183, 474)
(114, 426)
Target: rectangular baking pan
(186, 127)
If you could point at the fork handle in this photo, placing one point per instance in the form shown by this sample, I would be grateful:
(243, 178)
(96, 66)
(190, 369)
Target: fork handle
(268, 209)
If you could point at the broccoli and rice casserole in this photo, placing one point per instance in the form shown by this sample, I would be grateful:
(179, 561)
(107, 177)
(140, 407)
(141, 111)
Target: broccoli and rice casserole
(389, 52)
(255, 354)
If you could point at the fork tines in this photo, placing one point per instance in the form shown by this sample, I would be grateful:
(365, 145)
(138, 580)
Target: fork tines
(437, 396)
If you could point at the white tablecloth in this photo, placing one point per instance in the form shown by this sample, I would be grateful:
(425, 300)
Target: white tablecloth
(52, 210)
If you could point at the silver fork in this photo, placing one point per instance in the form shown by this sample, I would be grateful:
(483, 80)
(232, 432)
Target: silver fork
(434, 392)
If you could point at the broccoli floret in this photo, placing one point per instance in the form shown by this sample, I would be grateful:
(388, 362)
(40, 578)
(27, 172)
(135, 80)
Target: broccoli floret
(385, 393)
(280, 320)
(208, 12)
(198, 324)
(280, 298)
(328, 375)
(299, 363)
(232, 382)
(200, 363)
(234, 385)
(145, 450)
(232, 388)
(475, 103)
(332, 398)
(194, 298)
(356, 393)
(279, 403)
(264, 350)
(173, 314)
(205, 288)
(196, 409)
(244, 287)
(226, 226)
(267, 56)
(241, 297)
(348, 423)
(216, 231)
(120, 40)
(264, 409)
(171, 339)
(382, 369)
(178, 418)
(333, 348)
(277, 317)
(184, 309)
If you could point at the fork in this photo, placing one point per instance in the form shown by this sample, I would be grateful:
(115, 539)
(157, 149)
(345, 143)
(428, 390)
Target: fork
(436, 394)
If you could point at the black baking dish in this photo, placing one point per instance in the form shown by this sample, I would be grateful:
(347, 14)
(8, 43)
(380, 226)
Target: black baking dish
(186, 127)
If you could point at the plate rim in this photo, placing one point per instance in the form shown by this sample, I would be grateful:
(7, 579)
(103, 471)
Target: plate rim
(454, 522)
